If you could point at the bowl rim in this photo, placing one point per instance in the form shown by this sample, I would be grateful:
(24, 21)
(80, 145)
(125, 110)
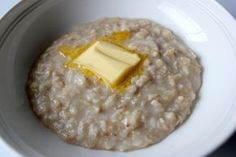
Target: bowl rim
(7, 23)
(217, 12)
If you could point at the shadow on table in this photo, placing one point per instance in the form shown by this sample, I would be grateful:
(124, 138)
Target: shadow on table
(226, 150)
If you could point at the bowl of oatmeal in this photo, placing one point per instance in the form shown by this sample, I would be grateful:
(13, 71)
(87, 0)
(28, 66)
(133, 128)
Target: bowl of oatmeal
(91, 79)
(141, 109)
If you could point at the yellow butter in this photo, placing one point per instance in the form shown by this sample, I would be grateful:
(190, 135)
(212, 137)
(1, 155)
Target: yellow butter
(117, 53)
(108, 61)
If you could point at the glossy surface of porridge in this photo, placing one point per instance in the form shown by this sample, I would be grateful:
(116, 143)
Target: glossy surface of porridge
(152, 102)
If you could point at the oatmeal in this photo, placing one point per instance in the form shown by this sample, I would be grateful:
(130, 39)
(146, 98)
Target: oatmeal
(85, 112)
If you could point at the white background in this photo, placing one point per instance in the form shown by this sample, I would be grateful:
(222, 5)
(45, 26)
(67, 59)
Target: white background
(6, 5)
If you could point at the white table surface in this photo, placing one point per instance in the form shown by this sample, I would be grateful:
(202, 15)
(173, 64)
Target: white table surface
(6, 5)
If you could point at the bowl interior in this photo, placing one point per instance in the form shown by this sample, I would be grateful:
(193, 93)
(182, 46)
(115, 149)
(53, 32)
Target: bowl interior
(42, 25)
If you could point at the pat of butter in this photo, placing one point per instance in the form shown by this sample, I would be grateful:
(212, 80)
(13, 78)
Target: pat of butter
(118, 53)
(108, 61)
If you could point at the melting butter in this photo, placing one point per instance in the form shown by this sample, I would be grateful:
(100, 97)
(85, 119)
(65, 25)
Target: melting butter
(117, 64)
(109, 62)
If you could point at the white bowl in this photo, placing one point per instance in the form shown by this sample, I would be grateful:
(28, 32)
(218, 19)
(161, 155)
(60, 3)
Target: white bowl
(203, 24)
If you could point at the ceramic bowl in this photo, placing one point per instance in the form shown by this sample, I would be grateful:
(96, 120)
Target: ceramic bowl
(204, 25)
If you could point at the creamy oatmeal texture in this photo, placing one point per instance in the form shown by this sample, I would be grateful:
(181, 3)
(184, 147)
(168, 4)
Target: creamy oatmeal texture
(84, 112)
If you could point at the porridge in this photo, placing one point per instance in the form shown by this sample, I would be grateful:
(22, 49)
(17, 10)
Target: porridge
(157, 96)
